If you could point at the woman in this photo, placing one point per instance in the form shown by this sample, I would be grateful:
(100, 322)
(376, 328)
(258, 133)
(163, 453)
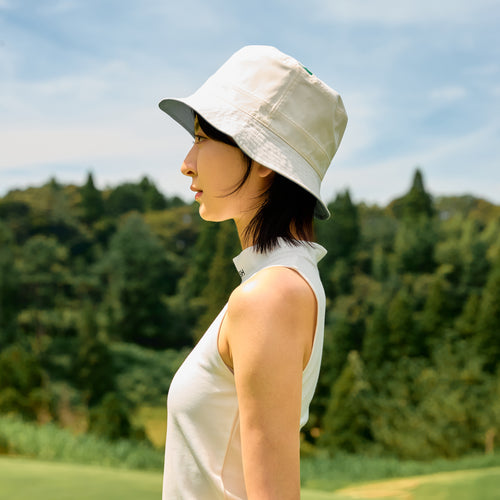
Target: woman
(265, 131)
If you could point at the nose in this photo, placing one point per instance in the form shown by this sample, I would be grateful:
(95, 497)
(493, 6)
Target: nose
(189, 164)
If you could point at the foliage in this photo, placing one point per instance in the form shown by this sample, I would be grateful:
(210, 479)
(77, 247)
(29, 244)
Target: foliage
(22, 388)
(93, 364)
(9, 288)
(111, 420)
(109, 289)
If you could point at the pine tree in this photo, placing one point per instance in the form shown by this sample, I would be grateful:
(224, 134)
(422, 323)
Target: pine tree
(401, 326)
(436, 315)
(92, 204)
(414, 246)
(376, 339)
(153, 199)
(340, 234)
(472, 248)
(416, 203)
(347, 422)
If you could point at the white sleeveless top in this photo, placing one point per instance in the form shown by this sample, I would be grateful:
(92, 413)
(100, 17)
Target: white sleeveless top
(203, 449)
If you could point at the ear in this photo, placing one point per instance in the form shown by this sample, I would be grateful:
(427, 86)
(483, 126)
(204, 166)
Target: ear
(263, 171)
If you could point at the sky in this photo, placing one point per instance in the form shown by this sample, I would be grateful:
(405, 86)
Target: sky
(80, 82)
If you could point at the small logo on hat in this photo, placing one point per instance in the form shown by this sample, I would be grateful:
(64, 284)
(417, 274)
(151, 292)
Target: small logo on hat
(310, 72)
(241, 273)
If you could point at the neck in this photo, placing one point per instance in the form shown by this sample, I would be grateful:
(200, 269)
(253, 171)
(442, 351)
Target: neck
(247, 240)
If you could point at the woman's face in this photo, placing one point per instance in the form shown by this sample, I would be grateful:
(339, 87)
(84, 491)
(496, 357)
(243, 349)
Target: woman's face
(216, 170)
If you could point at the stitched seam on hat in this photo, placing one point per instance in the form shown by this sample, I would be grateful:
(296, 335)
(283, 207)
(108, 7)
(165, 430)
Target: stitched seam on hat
(275, 109)
(307, 158)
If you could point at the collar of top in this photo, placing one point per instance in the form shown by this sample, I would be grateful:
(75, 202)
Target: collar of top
(250, 261)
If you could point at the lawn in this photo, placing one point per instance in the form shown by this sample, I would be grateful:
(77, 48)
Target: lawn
(481, 484)
(22, 478)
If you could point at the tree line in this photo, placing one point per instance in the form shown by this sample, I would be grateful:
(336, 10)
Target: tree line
(412, 340)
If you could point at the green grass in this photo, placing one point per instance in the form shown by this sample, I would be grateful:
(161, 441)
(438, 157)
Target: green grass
(331, 473)
(50, 442)
(482, 484)
(23, 478)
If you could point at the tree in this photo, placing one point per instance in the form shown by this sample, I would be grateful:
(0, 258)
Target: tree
(153, 199)
(402, 330)
(437, 407)
(465, 324)
(92, 203)
(9, 288)
(125, 198)
(22, 385)
(44, 271)
(93, 366)
(414, 246)
(416, 203)
(474, 264)
(111, 420)
(222, 275)
(437, 313)
(138, 277)
(376, 339)
(340, 234)
(488, 320)
(347, 420)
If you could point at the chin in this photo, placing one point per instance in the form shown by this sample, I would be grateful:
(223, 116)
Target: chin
(211, 216)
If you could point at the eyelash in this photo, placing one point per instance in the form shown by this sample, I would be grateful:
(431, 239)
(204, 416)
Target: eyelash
(198, 138)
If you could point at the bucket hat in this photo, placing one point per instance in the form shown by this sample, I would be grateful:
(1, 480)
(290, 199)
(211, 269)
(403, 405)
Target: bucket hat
(278, 112)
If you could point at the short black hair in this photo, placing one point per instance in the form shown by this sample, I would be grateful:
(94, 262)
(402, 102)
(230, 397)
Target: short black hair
(285, 209)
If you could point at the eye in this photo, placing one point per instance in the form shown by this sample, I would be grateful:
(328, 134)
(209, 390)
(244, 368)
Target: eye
(199, 138)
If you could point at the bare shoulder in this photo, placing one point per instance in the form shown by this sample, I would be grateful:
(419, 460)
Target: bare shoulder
(270, 317)
(276, 289)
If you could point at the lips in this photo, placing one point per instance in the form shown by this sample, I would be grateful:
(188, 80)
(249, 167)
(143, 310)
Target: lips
(198, 192)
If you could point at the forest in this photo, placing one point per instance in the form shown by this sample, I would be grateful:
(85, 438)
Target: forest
(104, 292)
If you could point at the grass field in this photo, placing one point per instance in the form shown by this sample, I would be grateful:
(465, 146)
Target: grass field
(22, 478)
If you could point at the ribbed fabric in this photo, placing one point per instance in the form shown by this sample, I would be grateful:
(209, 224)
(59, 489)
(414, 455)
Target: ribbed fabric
(203, 449)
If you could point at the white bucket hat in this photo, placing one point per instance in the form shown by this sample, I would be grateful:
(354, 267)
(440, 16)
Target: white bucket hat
(277, 112)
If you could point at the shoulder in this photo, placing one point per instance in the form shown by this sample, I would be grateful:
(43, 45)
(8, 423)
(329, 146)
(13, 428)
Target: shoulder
(270, 316)
(275, 289)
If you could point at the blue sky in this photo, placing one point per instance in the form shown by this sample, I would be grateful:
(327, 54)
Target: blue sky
(80, 81)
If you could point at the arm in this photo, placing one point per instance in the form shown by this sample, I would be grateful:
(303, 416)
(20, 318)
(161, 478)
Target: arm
(270, 326)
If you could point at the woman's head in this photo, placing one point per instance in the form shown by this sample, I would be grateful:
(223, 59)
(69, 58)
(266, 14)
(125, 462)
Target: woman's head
(229, 184)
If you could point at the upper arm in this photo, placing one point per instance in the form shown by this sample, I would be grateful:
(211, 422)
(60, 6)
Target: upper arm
(270, 325)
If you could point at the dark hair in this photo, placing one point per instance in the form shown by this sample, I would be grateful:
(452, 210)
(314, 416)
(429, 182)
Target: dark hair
(286, 208)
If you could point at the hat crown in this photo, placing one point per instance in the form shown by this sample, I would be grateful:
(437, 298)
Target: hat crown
(284, 96)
